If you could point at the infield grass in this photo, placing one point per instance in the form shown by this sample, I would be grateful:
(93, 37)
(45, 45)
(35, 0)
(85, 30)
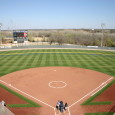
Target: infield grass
(90, 100)
(104, 113)
(30, 102)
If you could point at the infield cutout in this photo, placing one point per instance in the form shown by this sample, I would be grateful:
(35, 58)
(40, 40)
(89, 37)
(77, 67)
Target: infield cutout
(57, 84)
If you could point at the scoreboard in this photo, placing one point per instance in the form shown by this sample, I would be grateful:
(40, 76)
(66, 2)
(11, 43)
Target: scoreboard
(20, 36)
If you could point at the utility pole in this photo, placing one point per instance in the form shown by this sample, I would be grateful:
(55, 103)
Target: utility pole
(93, 36)
(102, 26)
(0, 34)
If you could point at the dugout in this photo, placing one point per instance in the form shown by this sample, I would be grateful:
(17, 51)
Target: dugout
(20, 36)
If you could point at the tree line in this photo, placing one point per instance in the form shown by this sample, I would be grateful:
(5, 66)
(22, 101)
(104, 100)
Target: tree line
(85, 37)
(78, 37)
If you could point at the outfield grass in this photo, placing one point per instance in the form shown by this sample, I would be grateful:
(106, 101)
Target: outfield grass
(11, 61)
(102, 61)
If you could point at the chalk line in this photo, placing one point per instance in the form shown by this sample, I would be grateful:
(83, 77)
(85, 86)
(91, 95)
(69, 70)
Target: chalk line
(27, 94)
(98, 90)
(90, 92)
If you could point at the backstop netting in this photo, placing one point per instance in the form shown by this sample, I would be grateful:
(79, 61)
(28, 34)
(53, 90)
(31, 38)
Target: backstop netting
(5, 111)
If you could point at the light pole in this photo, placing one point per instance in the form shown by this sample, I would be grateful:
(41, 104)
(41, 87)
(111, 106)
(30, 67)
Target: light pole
(102, 25)
(0, 34)
(93, 37)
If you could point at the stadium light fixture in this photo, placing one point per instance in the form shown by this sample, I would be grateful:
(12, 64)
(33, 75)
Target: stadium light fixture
(102, 26)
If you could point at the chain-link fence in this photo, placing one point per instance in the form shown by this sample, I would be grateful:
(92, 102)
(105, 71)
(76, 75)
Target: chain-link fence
(46, 45)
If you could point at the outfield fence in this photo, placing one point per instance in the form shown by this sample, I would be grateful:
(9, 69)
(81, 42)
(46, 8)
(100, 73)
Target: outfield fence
(46, 45)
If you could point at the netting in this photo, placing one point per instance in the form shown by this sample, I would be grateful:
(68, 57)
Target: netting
(5, 111)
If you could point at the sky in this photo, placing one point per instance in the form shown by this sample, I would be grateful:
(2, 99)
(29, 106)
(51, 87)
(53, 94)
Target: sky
(57, 14)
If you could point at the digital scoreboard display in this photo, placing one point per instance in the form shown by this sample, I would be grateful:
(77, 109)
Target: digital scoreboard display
(20, 34)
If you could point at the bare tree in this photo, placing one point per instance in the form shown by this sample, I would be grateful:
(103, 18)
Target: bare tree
(60, 38)
(51, 39)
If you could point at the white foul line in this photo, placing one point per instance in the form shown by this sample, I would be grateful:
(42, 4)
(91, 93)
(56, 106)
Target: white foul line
(27, 94)
(90, 92)
(69, 111)
(55, 111)
(98, 90)
(108, 80)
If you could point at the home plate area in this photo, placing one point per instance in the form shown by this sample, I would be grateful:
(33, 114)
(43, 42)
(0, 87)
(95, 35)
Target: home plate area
(49, 84)
(64, 113)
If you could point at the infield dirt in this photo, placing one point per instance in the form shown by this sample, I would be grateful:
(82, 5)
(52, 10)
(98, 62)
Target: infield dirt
(35, 82)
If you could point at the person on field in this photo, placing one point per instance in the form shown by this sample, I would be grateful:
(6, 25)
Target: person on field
(66, 106)
(61, 107)
(57, 105)
(2, 103)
